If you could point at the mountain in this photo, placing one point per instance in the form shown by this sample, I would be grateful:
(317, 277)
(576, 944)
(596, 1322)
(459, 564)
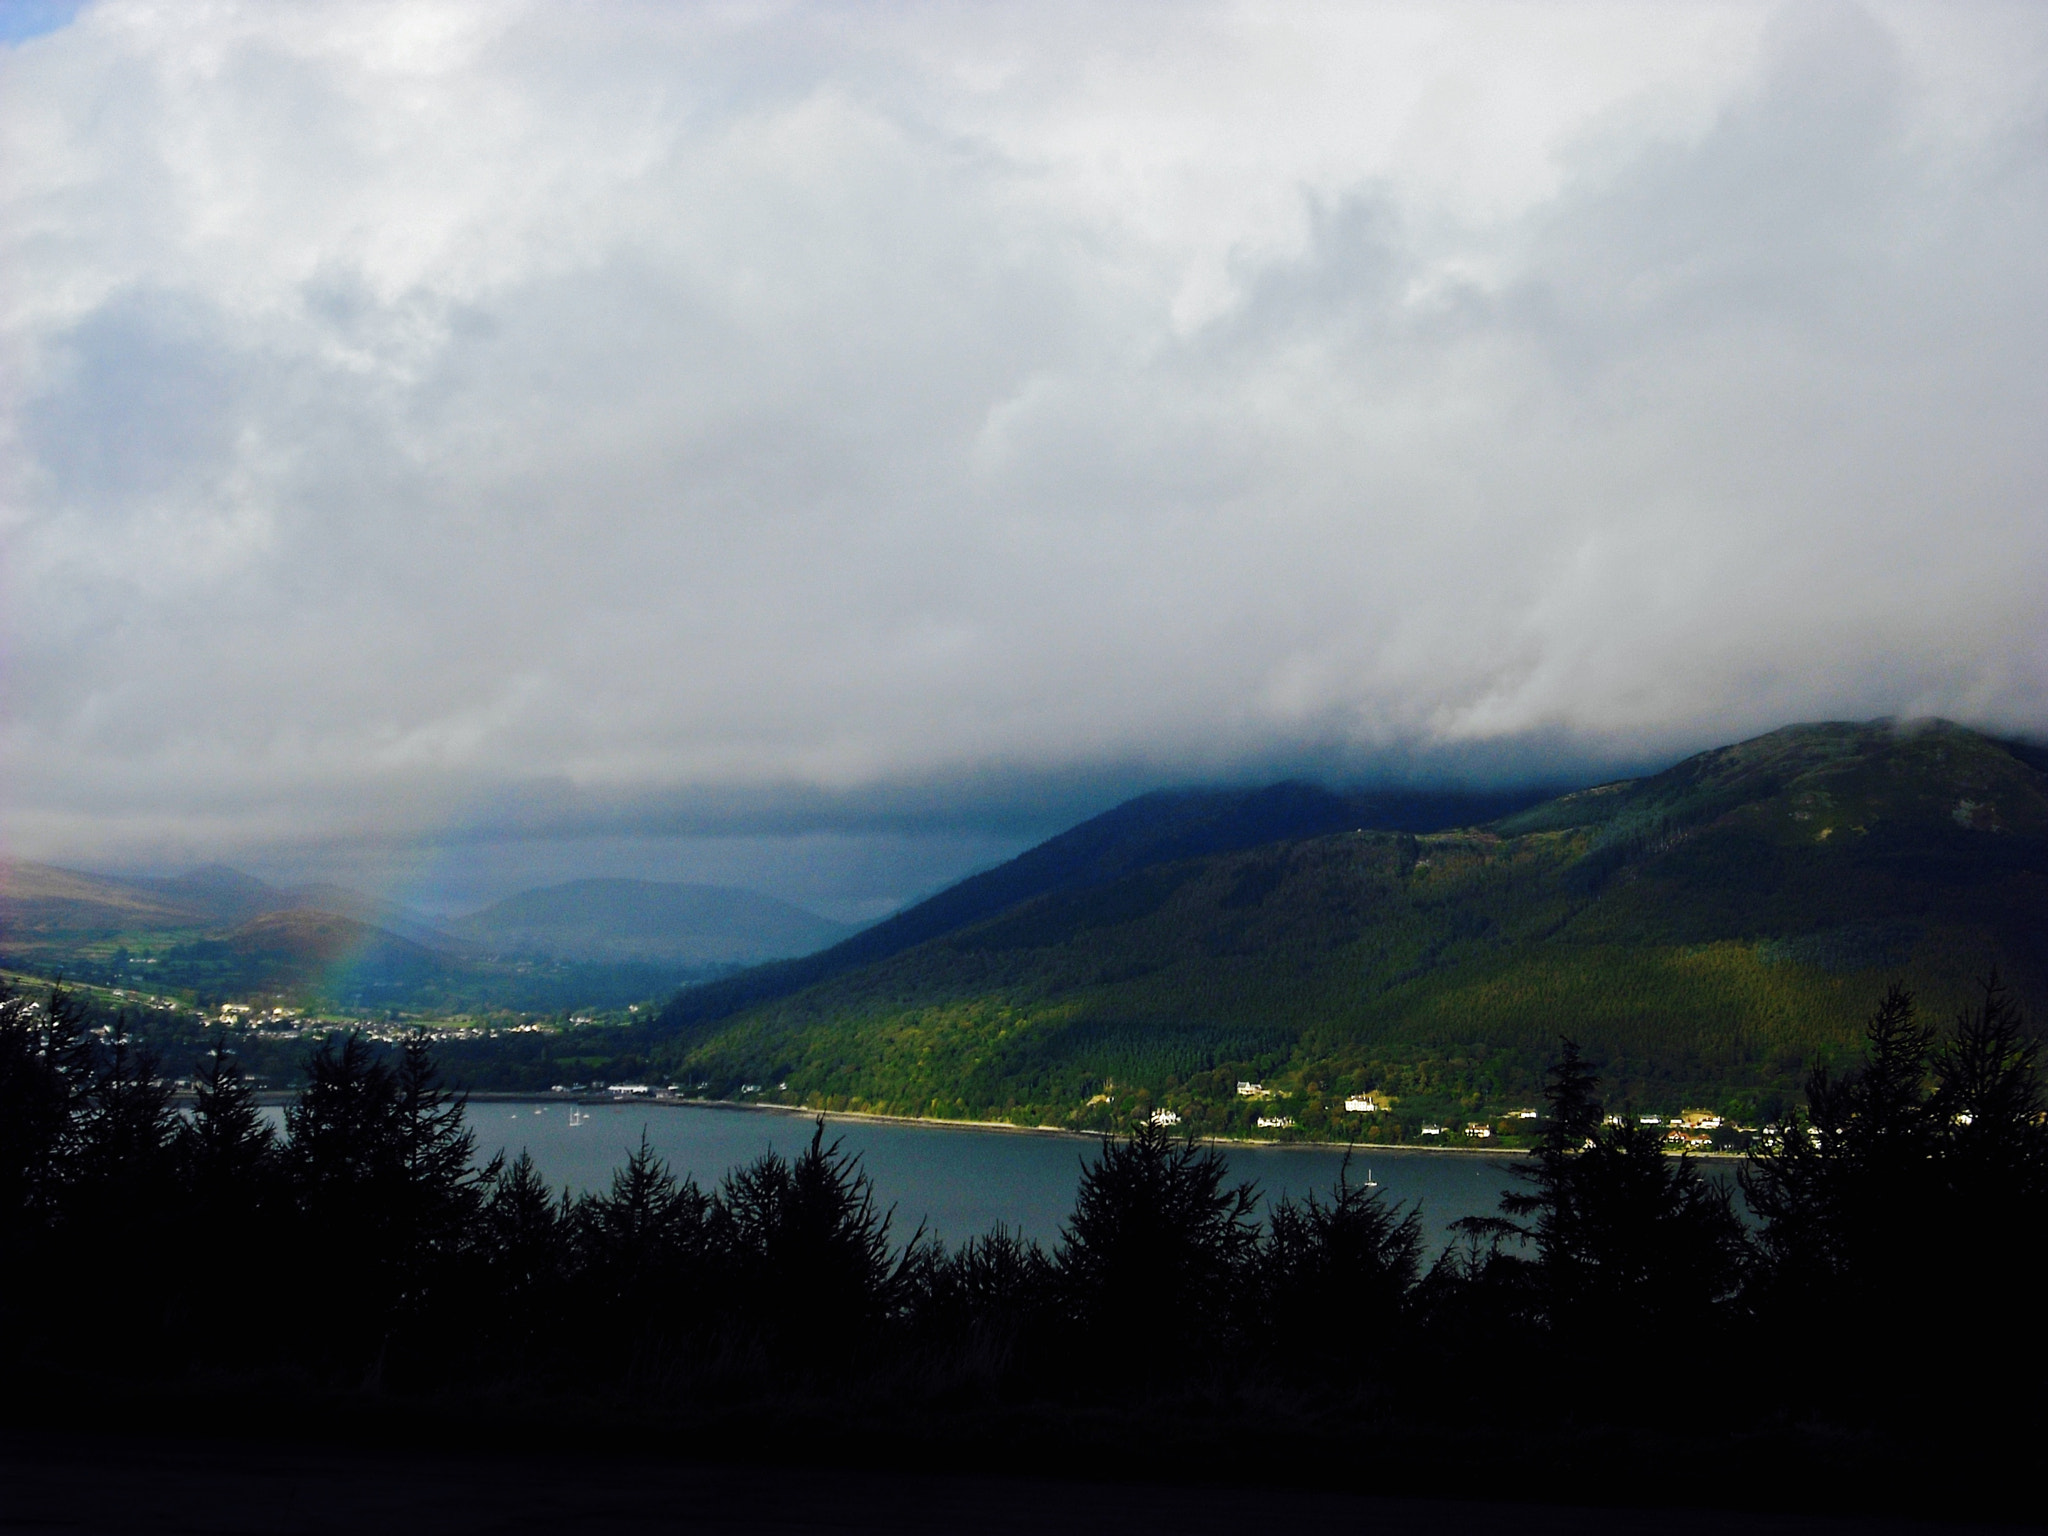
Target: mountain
(218, 934)
(46, 907)
(341, 901)
(220, 894)
(300, 951)
(1705, 933)
(648, 920)
(1153, 829)
(41, 905)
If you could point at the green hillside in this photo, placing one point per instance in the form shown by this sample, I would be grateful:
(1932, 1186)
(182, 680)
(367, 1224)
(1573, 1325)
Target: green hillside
(1706, 934)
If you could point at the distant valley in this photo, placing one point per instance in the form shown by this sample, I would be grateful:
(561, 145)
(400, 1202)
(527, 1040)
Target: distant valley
(218, 934)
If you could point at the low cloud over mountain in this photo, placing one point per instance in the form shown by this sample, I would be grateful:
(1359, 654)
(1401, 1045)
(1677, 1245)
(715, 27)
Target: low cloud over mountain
(530, 420)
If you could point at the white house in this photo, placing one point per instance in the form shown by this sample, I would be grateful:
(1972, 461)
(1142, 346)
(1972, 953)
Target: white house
(1165, 1117)
(1362, 1104)
(1275, 1122)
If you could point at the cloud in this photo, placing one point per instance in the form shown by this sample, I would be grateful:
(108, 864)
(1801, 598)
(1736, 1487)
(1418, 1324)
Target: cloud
(434, 417)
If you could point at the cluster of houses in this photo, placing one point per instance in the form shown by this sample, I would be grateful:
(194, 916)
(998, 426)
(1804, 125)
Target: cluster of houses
(647, 1093)
(1692, 1130)
(256, 1018)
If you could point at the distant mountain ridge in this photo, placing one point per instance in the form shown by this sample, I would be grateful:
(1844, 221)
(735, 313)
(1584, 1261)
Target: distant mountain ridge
(617, 919)
(227, 933)
(49, 902)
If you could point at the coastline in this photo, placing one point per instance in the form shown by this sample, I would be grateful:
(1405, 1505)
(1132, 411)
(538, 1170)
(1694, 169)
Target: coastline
(275, 1097)
(868, 1117)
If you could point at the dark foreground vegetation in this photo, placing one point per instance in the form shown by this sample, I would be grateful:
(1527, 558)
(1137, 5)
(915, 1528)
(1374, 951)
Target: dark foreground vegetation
(1617, 1332)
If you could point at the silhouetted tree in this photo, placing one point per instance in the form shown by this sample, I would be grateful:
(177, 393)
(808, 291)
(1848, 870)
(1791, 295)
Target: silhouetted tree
(438, 1190)
(1153, 1255)
(339, 1132)
(1915, 1186)
(1636, 1252)
(228, 1149)
(46, 1076)
(525, 1227)
(125, 1177)
(377, 1161)
(977, 1311)
(808, 1251)
(1332, 1280)
(642, 1248)
(1991, 1147)
(1840, 1191)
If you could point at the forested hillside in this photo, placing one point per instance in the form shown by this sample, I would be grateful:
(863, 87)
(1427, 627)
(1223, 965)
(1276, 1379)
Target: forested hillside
(1706, 934)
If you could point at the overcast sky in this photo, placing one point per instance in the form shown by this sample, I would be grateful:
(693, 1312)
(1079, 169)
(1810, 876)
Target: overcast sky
(825, 447)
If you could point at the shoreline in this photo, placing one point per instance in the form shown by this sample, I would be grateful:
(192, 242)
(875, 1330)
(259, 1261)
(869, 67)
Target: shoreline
(276, 1097)
(924, 1122)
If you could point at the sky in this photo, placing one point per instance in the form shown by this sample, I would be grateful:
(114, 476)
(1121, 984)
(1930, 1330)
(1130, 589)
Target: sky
(826, 448)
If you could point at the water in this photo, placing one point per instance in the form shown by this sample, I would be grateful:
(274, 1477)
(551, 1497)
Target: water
(957, 1180)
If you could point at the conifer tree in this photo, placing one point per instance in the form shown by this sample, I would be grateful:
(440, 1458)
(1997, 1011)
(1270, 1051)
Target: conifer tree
(1333, 1278)
(1153, 1256)
(227, 1147)
(524, 1246)
(809, 1250)
(46, 1078)
(1635, 1251)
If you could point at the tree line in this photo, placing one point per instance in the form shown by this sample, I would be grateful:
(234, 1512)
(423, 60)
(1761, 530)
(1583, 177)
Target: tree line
(1891, 1254)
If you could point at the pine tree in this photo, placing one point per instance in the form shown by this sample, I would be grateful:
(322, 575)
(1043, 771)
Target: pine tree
(527, 1257)
(228, 1149)
(1635, 1252)
(46, 1079)
(1153, 1257)
(1334, 1278)
(809, 1250)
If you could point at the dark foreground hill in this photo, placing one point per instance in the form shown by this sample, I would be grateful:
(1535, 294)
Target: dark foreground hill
(649, 920)
(1706, 934)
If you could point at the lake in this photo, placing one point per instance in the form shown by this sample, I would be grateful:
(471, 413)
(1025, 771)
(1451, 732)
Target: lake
(958, 1180)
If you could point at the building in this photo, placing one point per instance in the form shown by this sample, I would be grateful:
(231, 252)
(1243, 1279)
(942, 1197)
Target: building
(1165, 1117)
(1362, 1104)
(1275, 1122)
